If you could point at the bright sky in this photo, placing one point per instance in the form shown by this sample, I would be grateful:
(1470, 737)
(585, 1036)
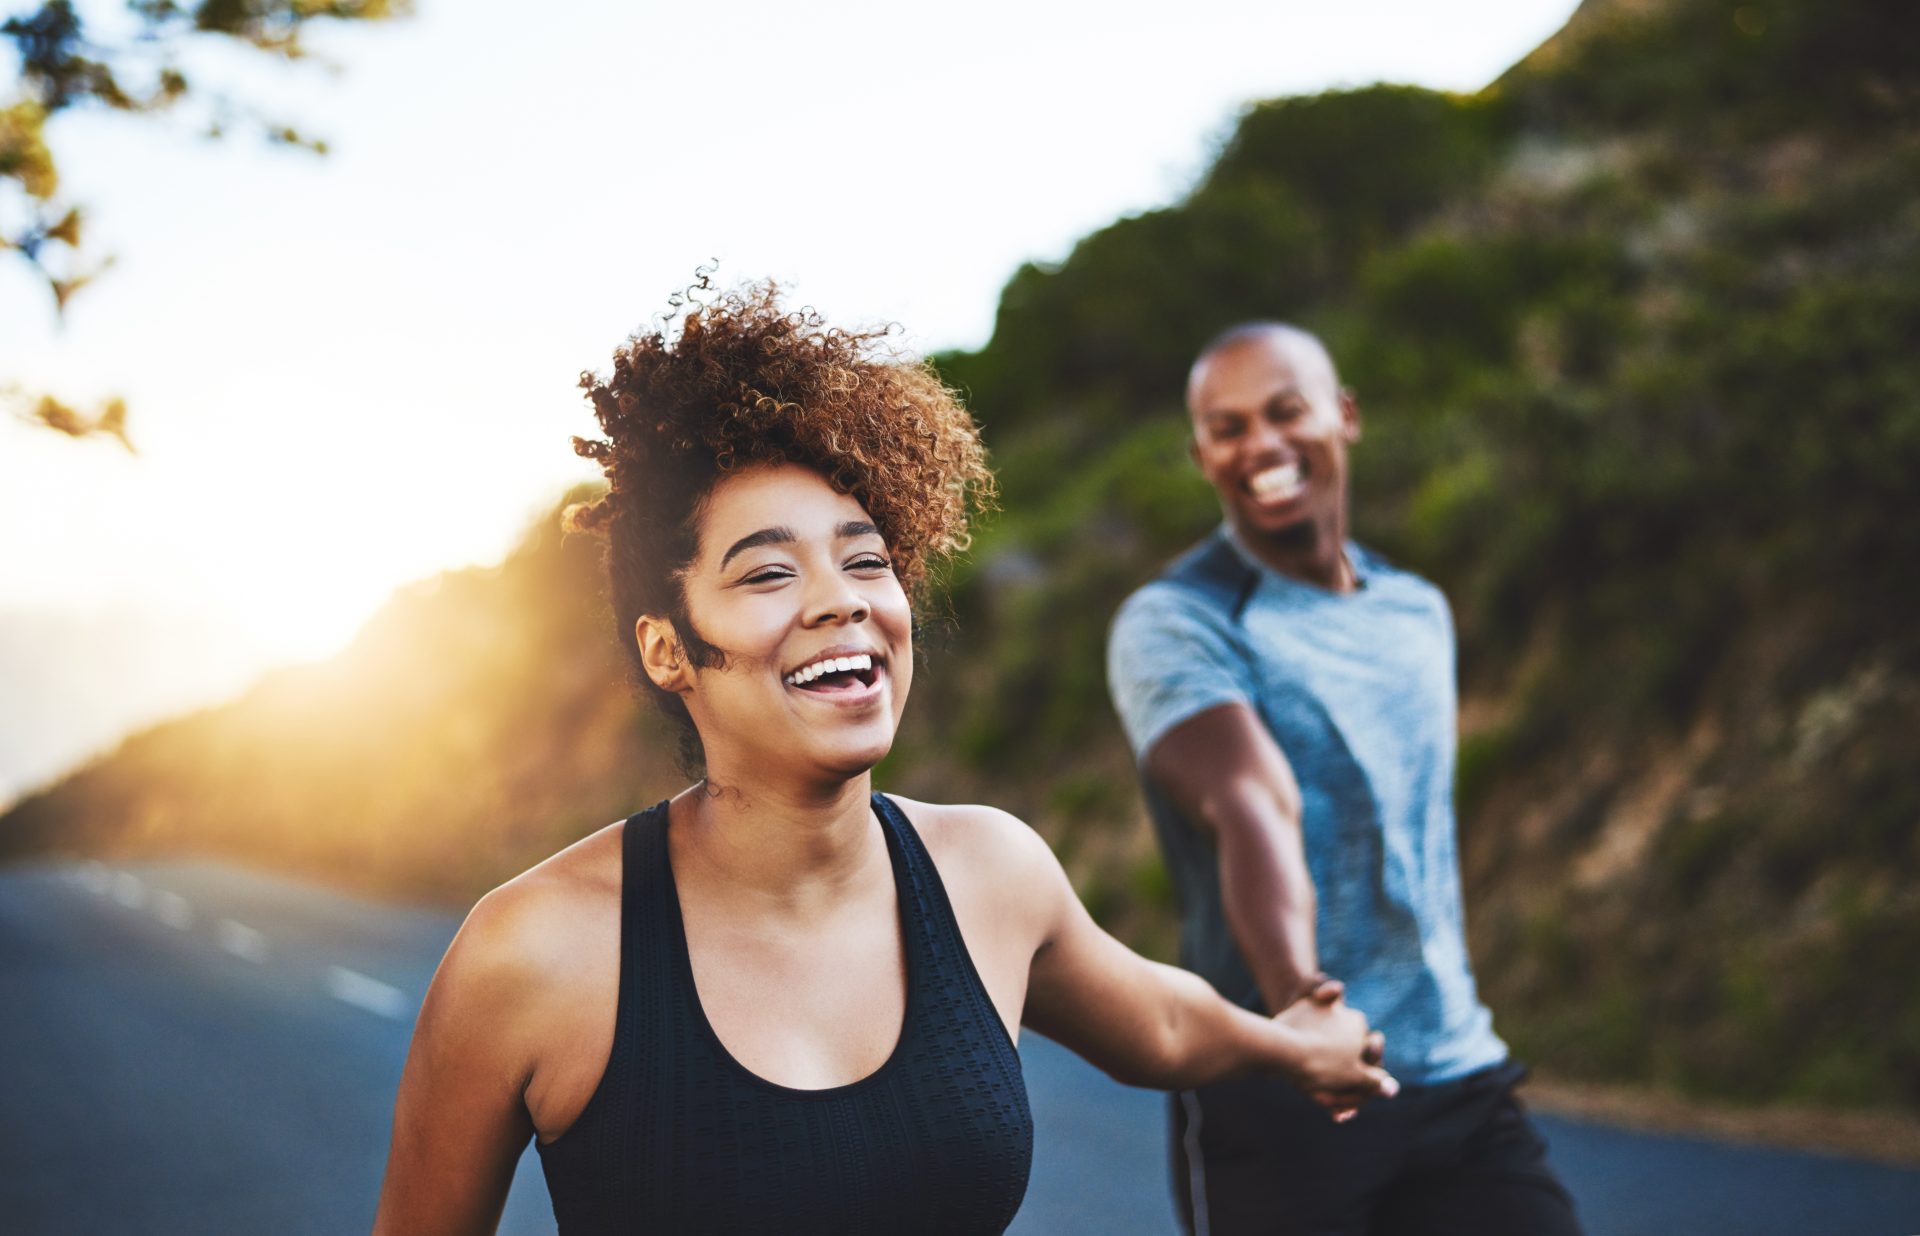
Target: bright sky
(350, 372)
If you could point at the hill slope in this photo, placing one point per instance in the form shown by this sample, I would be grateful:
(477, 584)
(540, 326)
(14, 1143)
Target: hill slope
(1632, 330)
(479, 723)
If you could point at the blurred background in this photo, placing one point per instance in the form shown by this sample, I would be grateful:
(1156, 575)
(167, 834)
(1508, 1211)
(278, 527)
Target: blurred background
(1629, 292)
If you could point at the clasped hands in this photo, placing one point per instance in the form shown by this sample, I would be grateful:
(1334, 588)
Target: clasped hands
(1342, 1069)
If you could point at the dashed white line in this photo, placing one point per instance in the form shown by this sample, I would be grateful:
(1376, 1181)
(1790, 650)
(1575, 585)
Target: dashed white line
(348, 986)
(370, 994)
(173, 910)
(128, 891)
(240, 940)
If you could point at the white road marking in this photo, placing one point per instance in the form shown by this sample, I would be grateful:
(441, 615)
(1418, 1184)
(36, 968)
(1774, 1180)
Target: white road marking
(347, 986)
(128, 891)
(173, 910)
(370, 994)
(241, 940)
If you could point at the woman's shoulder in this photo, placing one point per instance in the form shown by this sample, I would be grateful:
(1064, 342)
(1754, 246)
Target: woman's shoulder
(528, 988)
(970, 839)
(1005, 885)
(532, 932)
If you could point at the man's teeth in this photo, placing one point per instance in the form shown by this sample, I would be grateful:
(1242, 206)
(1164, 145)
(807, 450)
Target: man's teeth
(1280, 482)
(832, 665)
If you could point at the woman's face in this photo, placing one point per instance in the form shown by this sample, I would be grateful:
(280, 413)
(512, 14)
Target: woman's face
(794, 584)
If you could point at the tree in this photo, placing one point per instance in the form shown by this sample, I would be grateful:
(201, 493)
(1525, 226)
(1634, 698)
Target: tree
(137, 70)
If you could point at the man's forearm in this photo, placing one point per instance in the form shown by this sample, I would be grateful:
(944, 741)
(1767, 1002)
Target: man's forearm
(1268, 897)
(1222, 771)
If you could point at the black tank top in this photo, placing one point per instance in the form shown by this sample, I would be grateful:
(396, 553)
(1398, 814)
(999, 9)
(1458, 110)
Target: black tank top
(679, 1137)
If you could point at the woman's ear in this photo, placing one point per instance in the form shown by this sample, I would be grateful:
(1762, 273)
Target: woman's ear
(661, 653)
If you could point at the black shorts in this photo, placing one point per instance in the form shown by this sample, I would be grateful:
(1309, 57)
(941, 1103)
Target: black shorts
(1461, 1158)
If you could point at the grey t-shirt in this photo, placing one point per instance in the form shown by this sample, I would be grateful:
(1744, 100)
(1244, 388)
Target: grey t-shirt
(1358, 691)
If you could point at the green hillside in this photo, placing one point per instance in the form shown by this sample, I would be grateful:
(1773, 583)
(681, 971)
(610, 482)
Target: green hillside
(1634, 334)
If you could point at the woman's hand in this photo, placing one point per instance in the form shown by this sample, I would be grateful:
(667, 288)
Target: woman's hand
(1336, 1057)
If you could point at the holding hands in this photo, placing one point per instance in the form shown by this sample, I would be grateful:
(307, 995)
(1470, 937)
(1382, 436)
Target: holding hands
(1339, 1058)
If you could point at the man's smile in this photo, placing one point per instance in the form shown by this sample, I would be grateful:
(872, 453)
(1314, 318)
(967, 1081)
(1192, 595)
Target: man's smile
(1278, 484)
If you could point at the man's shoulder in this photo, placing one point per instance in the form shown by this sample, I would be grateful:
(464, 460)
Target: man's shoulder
(1372, 562)
(1211, 562)
(1206, 581)
(1377, 566)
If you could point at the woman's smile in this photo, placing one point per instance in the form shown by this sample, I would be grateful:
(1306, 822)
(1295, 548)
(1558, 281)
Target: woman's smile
(795, 583)
(844, 675)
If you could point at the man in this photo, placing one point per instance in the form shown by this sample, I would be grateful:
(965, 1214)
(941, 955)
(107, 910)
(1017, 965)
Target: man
(1290, 697)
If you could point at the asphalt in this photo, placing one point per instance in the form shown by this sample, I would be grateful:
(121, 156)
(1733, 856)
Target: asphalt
(197, 1048)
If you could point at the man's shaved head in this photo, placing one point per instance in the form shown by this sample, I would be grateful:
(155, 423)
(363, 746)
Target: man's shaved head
(1302, 348)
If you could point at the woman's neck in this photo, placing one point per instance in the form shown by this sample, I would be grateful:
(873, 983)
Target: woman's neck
(791, 848)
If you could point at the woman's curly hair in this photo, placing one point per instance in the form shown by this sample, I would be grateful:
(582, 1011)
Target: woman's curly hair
(745, 382)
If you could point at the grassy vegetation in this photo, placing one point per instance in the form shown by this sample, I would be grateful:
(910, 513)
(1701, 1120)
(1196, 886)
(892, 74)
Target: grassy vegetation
(1632, 330)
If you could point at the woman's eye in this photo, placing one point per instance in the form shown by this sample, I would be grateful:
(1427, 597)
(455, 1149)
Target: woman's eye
(872, 562)
(765, 577)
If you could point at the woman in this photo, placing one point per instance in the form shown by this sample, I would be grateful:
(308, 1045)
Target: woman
(781, 1001)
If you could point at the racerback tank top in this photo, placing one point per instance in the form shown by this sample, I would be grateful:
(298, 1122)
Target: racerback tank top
(680, 1138)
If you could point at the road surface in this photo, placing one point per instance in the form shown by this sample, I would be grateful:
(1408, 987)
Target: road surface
(196, 1048)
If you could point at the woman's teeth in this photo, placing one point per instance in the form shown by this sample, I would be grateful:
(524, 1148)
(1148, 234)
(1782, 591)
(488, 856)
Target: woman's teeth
(831, 665)
(1276, 483)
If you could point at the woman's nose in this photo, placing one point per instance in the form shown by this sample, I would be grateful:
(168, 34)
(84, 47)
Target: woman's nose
(836, 601)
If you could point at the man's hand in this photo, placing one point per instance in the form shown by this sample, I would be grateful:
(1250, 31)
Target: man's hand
(1321, 1013)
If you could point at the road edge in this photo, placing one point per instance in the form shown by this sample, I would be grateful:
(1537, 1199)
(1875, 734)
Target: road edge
(1891, 1138)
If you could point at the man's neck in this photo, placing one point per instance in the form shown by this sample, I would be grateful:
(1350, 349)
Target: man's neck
(1306, 552)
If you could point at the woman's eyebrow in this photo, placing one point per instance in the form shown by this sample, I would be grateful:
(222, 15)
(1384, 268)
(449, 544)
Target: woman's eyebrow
(855, 527)
(766, 536)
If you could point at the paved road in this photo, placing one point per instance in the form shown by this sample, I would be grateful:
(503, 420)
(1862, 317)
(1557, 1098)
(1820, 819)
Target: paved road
(192, 1048)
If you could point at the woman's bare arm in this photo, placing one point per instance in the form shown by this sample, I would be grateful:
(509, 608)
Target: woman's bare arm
(460, 1121)
(1149, 1024)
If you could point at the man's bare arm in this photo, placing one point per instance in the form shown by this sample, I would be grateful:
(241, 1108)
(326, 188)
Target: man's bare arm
(1222, 770)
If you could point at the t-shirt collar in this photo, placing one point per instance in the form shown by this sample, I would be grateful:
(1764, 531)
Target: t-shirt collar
(1360, 559)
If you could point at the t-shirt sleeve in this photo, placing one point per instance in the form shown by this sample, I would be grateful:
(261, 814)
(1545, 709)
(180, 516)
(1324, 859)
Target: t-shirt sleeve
(1169, 659)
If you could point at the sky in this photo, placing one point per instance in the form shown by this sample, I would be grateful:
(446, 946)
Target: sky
(350, 372)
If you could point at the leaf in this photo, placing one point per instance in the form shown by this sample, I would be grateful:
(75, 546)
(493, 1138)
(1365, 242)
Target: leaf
(63, 289)
(67, 231)
(61, 417)
(24, 155)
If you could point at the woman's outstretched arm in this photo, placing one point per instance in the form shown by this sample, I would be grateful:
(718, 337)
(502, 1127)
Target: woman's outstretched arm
(1155, 1025)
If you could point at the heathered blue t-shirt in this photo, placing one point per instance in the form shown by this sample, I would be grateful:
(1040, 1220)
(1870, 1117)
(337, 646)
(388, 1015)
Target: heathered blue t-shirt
(1358, 691)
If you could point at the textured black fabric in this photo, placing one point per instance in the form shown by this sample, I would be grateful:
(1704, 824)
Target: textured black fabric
(680, 1138)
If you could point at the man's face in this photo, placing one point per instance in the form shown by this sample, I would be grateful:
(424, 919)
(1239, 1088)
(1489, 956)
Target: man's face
(1271, 428)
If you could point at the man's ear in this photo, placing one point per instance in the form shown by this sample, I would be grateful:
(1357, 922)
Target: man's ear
(661, 654)
(1349, 415)
(1193, 449)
